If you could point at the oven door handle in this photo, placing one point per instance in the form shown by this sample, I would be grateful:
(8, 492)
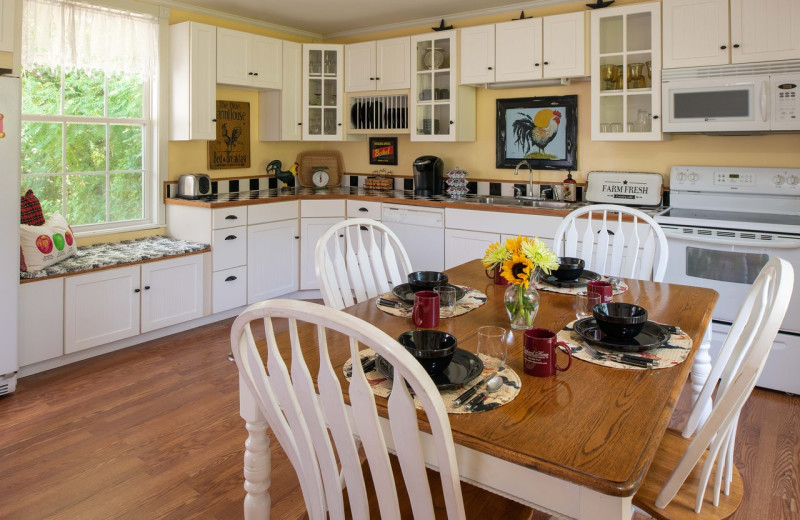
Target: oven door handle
(778, 243)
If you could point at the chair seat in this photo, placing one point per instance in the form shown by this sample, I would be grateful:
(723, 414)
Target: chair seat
(670, 451)
(478, 503)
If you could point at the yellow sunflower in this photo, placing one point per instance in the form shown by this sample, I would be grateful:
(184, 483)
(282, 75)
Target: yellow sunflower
(518, 269)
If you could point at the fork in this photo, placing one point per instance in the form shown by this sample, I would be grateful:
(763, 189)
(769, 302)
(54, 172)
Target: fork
(632, 361)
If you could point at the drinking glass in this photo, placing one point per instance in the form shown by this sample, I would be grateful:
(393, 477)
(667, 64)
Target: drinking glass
(447, 300)
(585, 302)
(492, 344)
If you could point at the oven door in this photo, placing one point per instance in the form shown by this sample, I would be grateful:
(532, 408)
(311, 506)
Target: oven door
(728, 262)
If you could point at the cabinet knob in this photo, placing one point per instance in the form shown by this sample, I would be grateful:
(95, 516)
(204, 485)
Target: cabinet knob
(296, 237)
(340, 124)
(255, 74)
(230, 278)
(372, 79)
(146, 287)
(536, 64)
(299, 124)
(249, 73)
(655, 116)
(735, 45)
(377, 79)
(136, 290)
(363, 209)
(231, 217)
(214, 120)
(490, 68)
(230, 237)
(451, 122)
(547, 63)
(723, 47)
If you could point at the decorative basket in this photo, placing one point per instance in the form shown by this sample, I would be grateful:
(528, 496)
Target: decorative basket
(308, 161)
(378, 183)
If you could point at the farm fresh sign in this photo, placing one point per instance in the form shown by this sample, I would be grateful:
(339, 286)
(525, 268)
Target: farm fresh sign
(232, 146)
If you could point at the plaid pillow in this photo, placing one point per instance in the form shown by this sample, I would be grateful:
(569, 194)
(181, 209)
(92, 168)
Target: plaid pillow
(31, 210)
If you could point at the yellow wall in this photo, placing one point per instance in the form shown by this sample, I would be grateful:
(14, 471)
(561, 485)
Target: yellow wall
(6, 60)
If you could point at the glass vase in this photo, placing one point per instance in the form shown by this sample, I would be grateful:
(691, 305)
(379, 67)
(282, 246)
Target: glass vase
(521, 305)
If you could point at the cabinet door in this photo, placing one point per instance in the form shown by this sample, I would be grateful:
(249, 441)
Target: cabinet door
(695, 33)
(233, 57)
(7, 25)
(280, 112)
(172, 291)
(519, 50)
(477, 54)
(393, 63)
(322, 92)
(41, 320)
(461, 246)
(359, 59)
(193, 68)
(310, 231)
(563, 45)
(273, 260)
(765, 30)
(228, 289)
(266, 62)
(101, 307)
(433, 87)
(229, 247)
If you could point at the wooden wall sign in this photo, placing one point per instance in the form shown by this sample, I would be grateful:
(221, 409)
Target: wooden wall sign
(232, 147)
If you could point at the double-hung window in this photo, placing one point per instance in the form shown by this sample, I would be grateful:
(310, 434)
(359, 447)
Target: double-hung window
(91, 140)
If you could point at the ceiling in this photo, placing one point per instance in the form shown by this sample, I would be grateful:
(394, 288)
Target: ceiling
(327, 18)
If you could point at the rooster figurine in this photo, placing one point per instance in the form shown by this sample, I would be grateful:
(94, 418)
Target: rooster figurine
(286, 177)
(537, 131)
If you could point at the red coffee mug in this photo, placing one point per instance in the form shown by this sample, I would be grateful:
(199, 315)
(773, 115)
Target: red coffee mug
(496, 277)
(539, 357)
(426, 309)
(603, 288)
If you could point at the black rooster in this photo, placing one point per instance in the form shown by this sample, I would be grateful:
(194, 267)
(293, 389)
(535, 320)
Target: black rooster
(287, 177)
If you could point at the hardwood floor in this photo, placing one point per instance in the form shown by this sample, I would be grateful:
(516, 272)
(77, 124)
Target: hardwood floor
(153, 431)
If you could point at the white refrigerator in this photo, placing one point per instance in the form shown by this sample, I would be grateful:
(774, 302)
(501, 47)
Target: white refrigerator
(10, 100)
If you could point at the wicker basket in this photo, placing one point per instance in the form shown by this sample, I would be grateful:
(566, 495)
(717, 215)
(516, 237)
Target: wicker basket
(378, 183)
(308, 161)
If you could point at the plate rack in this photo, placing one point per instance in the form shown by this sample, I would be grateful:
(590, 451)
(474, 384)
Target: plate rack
(386, 113)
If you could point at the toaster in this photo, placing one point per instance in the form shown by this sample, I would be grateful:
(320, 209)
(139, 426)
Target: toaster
(194, 185)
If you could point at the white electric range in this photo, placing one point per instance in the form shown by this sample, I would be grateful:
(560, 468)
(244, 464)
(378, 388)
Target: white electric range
(723, 224)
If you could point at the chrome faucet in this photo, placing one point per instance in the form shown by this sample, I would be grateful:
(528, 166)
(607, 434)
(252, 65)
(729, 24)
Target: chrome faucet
(530, 172)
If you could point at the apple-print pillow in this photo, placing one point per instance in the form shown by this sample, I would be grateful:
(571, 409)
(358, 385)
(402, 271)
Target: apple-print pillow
(47, 244)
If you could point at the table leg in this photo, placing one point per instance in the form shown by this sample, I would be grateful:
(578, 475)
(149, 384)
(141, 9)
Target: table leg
(700, 371)
(597, 506)
(257, 458)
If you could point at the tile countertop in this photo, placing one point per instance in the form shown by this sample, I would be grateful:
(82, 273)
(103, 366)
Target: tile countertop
(112, 254)
(242, 198)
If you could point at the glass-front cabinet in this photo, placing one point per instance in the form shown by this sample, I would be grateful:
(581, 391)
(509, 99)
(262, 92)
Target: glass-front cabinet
(323, 92)
(626, 73)
(439, 109)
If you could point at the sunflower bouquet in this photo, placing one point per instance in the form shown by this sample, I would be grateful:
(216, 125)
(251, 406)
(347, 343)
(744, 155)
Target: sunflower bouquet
(520, 259)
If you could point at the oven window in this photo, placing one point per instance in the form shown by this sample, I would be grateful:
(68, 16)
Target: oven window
(725, 266)
(719, 103)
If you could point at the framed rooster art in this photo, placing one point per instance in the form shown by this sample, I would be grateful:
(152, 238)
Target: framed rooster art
(540, 130)
(231, 149)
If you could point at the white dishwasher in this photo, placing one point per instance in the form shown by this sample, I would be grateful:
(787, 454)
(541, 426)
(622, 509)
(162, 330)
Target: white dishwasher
(421, 231)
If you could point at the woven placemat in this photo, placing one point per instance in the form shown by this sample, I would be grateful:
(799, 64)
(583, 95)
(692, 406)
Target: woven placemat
(471, 300)
(619, 287)
(673, 352)
(382, 385)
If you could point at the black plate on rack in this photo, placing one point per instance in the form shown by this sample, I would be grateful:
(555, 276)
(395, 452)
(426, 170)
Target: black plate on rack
(358, 115)
(652, 336)
(585, 277)
(464, 367)
(406, 294)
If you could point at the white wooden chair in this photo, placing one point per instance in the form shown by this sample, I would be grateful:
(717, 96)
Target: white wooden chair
(611, 247)
(358, 259)
(315, 429)
(678, 479)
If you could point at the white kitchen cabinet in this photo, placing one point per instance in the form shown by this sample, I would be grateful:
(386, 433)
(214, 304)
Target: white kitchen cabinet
(461, 246)
(624, 41)
(378, 65)
(273, 253)
(440, 109)
(248, 60)
(477, 58)
(363, 209)
(193, 70)
(323, 91)
(696, 32)
(280, 112)
(41, 320)
(316, 216)
(518, 50)
(7, 14)
(172, 292)
(564, 45)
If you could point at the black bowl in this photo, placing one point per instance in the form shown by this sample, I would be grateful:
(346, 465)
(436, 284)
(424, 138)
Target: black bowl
(433, 349)
(569, 268)
(620, 320)
(426, 280)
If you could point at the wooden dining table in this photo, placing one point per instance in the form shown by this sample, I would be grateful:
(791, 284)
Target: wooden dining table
(577, 444)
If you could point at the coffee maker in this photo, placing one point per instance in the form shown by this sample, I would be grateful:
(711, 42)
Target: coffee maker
(428, 175)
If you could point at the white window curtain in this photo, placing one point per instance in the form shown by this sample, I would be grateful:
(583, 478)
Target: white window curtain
(77, 35)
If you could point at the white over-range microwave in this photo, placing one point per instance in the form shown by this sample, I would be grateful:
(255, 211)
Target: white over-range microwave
(730, 103)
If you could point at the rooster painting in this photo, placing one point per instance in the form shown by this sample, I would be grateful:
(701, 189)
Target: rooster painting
(537, 131)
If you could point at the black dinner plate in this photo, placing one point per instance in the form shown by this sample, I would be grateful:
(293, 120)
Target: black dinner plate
(464, 367)
(585, 277)
(406, 294)
(652, 336)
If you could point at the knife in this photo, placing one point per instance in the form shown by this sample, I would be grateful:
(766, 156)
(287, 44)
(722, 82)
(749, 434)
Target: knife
(461, 399)
(478, 398)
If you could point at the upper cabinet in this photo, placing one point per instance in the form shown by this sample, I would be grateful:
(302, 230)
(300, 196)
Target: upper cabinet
(322, 92)
(440, 111)
(626, 73)
(7, 25)
(248, 60)
(280, 112)
(378, 65)
(696, 31)
(525, 50)
(193, 69)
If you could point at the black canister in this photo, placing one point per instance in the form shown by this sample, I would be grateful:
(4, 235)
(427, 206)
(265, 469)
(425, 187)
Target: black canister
(428, 175)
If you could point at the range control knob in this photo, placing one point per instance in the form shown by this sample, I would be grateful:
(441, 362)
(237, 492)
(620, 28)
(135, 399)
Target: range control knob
(693, 177)
(778, 180)
(793, 180)
(681, 176)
